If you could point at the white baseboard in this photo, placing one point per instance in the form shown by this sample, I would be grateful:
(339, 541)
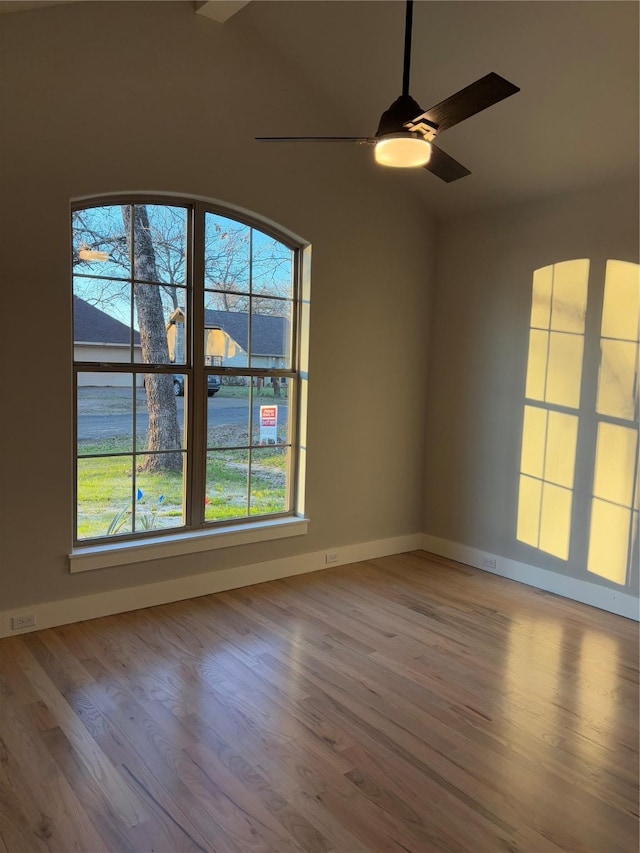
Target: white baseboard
(612, 600)
(52, 613)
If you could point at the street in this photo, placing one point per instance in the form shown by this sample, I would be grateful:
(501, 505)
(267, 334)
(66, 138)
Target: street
(103, 421)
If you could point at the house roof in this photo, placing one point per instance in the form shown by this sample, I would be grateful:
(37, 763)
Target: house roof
(93, 326)
(268, 334)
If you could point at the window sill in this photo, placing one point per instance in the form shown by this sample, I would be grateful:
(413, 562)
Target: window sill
(86, 559)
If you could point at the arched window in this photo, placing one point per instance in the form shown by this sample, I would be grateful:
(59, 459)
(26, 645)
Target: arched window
(188, 324)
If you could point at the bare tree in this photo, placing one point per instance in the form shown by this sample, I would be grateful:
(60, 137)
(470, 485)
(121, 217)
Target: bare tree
(109, 253)
(147, 243)
(235, 263)
(164, 430)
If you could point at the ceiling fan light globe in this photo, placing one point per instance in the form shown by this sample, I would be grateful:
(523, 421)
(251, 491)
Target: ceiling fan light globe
(402, 150)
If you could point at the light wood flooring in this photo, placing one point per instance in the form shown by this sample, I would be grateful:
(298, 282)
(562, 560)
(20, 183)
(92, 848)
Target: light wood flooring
(403, 704)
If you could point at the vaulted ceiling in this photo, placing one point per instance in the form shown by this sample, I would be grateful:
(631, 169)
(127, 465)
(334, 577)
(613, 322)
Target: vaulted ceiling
(574, 123)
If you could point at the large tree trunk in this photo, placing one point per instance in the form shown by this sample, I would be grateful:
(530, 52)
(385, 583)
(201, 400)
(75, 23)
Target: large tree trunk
(164, 430)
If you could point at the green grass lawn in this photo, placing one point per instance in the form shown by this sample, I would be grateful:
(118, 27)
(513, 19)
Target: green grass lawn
(242, 391)
(108, 488)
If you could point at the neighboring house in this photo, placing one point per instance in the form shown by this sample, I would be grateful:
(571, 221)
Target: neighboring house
(98, 337)
(227, 339)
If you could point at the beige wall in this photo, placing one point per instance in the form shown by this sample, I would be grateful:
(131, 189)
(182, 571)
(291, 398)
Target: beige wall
(478, 364)
(107, 97)
(100, 98)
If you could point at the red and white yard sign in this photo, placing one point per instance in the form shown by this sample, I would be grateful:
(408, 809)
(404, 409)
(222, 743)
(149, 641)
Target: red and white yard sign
(268, 424)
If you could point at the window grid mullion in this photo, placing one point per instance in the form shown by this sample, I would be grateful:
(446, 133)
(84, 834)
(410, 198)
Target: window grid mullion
(250, 364)
(197, 396)
(132, 314)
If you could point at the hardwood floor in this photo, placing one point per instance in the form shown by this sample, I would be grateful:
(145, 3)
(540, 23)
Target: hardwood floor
(403, 704)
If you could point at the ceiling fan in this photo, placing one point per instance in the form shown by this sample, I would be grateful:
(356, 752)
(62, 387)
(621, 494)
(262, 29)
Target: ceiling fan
(406, 132)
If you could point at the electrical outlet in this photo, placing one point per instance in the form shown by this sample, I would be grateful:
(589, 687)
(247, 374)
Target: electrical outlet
(330, 557)
(488, 563)
(27, 620)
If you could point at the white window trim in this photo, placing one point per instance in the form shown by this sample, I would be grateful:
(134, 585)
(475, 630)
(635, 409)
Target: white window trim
(84, 558)
(110, 554)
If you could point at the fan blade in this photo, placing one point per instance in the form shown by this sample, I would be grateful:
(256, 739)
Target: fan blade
(363, 140)
(444, 166)
(485, 92)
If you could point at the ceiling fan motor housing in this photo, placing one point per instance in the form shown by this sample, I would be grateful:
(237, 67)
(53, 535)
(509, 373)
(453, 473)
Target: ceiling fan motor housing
(403, 110)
